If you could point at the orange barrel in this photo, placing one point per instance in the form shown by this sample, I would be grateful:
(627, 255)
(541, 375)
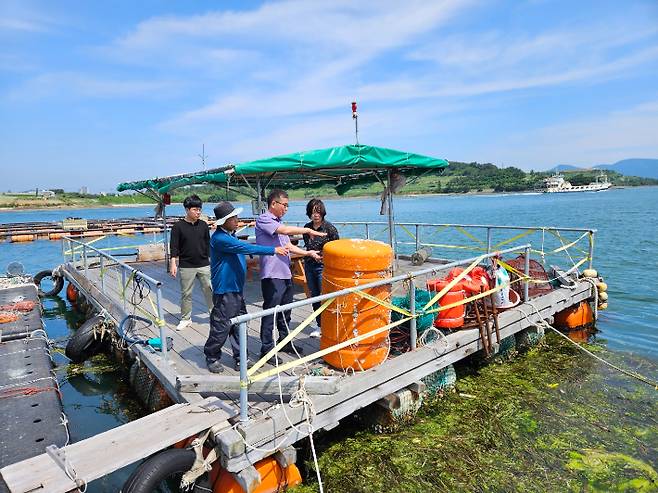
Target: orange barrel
(350, 263)
(451, 318)
(21, 238)
(575, 317)
(55, 236)
(273, 478)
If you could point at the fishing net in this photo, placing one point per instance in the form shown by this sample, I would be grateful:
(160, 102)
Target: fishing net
(441, 380)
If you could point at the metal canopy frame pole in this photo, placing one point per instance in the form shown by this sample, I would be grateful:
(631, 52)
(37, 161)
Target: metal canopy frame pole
(165, 239)
(391, 217)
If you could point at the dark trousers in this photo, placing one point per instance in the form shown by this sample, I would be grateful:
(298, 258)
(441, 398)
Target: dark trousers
(225, 307)
(275, 292)
(313, 271)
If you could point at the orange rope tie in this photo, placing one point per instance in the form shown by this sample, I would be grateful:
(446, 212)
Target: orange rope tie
(27, 392)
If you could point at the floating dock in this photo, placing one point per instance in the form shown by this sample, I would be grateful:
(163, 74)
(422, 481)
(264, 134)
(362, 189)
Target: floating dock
(259, 414)
(30, 400)
(81, 228)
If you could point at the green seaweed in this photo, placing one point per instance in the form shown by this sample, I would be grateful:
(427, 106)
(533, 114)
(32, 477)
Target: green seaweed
(553, 420)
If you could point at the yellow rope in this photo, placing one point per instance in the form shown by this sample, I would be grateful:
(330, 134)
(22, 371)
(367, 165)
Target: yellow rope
(452, 283)
(514, 238)
(289, 337)
(319, 354)
(413, 237)
(469, 235)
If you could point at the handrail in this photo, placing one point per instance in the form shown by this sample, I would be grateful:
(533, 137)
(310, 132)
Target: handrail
(242, 320)
(125, 269)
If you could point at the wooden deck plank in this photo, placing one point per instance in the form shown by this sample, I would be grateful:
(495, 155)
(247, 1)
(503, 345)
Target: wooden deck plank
(127, 443)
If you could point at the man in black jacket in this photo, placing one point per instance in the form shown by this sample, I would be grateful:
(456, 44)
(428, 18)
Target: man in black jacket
(190, 250)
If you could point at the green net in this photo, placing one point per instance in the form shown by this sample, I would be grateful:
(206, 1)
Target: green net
(440, 380)
(423, 322)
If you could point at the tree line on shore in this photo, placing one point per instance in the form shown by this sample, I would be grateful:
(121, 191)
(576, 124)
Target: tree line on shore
(458, 177)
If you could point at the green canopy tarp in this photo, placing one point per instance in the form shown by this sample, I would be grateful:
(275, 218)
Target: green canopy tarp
(336, 165)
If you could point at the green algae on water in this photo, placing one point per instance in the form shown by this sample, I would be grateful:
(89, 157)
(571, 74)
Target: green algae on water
(553, 420)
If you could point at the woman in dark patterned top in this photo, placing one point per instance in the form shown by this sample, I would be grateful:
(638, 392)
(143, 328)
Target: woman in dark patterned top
(316, 212)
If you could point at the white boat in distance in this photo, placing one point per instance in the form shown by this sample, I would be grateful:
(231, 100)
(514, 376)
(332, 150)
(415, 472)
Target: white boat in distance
(557, 184)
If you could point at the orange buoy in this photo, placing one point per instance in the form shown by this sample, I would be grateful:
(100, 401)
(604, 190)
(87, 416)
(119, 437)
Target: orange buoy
(273, 478)
(71, 293)
(151, 230)
(575, 317)
(55, 236)
(451, 318)
(349, 263)
(21, 238)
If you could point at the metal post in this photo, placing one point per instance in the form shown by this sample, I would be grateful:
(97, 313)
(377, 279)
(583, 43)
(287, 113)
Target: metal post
(488, 240)
(391, 221)
(412, 308)
(244, 380)
(84, 257)
(417, 237)
(591, 249)
(102, 274)
(123, 288)
(165, 239)
(367, 232)
(526, 271)
(163, 328)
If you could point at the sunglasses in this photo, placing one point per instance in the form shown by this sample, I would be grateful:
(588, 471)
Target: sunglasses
(284, 204)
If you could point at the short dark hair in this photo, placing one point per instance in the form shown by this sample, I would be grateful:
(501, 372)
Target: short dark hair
(192, 201)
(275, 195)
(315, 205)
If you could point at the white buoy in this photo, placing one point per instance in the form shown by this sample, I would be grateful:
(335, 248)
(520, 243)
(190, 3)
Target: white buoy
(603, 296)
(603, 306)
(602, 287)
(590, 273)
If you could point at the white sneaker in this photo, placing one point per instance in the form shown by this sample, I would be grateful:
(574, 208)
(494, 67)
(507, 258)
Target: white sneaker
(315, 332)
(183, 324)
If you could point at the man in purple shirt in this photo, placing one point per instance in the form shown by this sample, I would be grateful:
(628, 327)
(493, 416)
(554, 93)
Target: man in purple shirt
(276, 278)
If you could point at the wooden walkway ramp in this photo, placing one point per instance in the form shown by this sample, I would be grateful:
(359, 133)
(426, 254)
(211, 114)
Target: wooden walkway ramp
(104, 453)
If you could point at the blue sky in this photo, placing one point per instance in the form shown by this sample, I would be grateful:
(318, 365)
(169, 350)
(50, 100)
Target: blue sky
(95, 93)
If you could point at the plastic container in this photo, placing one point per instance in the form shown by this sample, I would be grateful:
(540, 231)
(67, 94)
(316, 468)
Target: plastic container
(349, 263)
(451, 318)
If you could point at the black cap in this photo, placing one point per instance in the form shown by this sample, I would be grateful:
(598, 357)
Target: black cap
(225, 210)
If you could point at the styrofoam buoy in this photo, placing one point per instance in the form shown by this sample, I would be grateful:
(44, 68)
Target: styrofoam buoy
(602, 287)
(603, 296)
(590, 273)
(603, 306)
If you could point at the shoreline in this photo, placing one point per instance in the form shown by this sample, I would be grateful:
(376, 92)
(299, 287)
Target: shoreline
(31, 208)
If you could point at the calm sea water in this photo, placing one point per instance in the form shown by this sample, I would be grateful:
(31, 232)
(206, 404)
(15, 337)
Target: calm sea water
(625, 253)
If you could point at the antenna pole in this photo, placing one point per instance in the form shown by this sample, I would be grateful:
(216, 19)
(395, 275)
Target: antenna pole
(203, 156)
(355, 117)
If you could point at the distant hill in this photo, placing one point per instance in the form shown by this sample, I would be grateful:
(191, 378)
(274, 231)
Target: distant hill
(563, 167)
(646, 168)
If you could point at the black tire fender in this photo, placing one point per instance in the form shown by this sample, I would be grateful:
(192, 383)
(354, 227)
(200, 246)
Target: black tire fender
(158, 468)
(58, 280)
(84, 342)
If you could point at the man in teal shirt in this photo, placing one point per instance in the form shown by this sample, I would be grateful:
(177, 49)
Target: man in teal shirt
(228, 269)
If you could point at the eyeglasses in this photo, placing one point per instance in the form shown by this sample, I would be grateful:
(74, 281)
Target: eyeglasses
(284, 204)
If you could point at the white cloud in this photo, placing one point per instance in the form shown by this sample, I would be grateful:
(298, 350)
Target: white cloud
(72, 84)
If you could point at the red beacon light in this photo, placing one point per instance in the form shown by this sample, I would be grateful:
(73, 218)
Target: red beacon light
(354, 109)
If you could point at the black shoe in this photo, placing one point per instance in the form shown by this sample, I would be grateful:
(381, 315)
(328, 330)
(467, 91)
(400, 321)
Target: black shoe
(236, 364)
(290, 349)
(271, 361)
(215, 366)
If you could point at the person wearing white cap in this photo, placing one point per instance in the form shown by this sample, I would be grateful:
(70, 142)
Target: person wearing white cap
(228, 269)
